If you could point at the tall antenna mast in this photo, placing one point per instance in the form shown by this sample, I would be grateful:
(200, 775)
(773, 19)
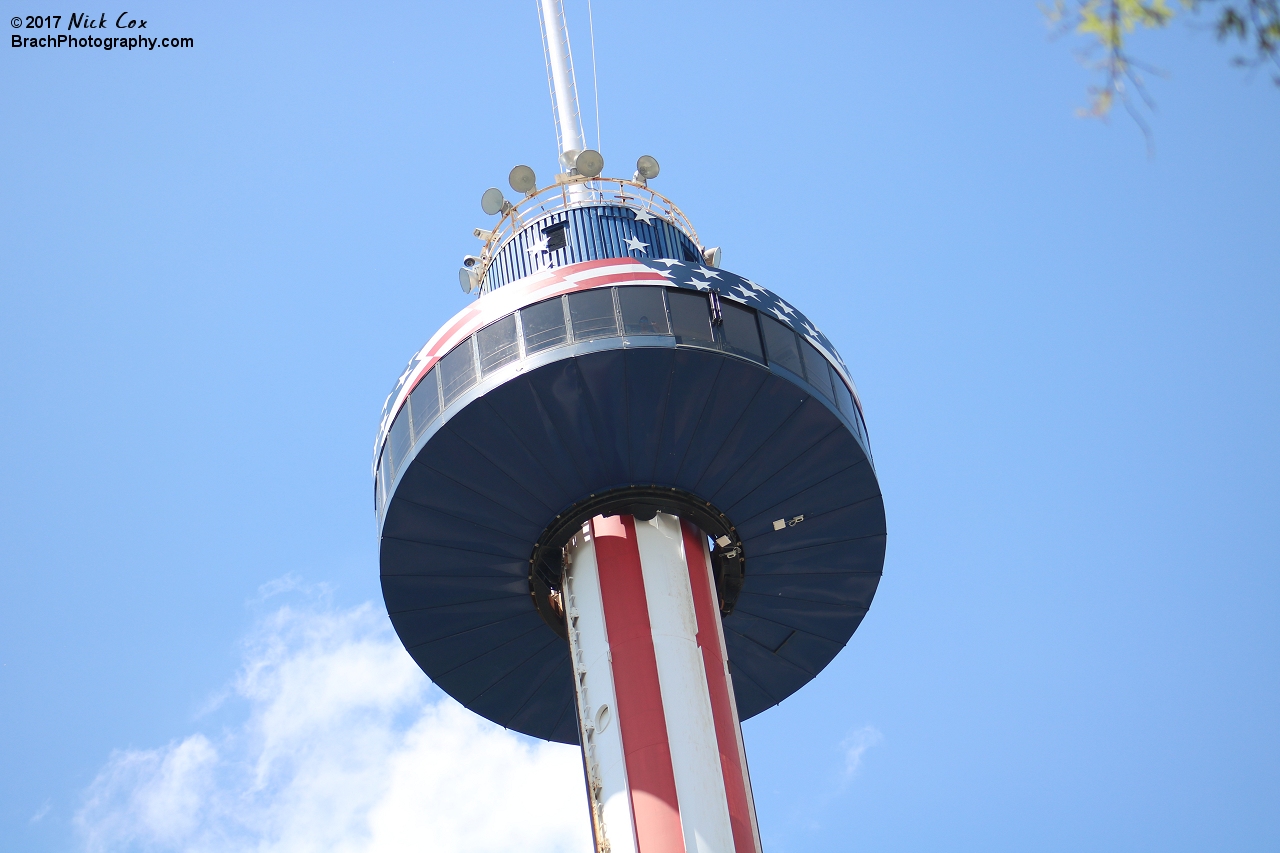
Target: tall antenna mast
(561, 81)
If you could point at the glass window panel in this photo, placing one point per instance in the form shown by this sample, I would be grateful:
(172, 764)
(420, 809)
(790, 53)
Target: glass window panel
(643, 311)
(425, 401)
(543, 325)
(690, 318)
(457, 371)
(592, 314)
(780, 343)
(816, 368)
(401, 439)
(381, 486)
(740, 332)
(844, 399)
(498, 344)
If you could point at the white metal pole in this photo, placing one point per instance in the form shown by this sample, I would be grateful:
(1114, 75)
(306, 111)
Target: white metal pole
(564, 90)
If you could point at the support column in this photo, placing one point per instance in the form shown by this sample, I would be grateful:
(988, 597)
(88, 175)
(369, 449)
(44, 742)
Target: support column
(666, 770)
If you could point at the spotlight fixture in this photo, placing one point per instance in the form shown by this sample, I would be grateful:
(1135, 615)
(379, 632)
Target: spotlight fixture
(492, 201)
(646, 167)
(523, 180)
(568, 158)
(589, 163)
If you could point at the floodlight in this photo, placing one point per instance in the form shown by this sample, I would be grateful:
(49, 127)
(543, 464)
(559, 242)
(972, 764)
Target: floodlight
(523, 180)
(492, 201)
(589, 163)
(647, 167)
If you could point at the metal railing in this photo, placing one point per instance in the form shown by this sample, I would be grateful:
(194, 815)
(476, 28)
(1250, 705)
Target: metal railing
(572, 191)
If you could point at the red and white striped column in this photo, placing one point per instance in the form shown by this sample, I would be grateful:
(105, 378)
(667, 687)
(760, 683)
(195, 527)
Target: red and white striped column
(666, 770)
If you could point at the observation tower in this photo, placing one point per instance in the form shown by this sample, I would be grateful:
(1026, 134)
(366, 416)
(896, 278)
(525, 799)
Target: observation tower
(625, 498)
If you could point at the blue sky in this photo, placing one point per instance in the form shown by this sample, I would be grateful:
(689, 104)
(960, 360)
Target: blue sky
(216, 261)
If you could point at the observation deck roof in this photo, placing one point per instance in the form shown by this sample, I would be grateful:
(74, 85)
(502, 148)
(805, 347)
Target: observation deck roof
(570, 192)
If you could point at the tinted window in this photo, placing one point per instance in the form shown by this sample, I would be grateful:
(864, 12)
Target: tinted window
(690, 318)
(543, 325)
(780, 343)
(740, 333)
(382, 480)
(401, 440)
(498, 345)
(816, 368)
(592, 314)
(425, 401)
(643, 311)
(457, 371)
(844, 399)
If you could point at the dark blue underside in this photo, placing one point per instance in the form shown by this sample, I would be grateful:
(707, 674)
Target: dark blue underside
(462, 523)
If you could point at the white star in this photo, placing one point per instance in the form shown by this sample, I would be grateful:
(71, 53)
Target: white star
(778, 314)
(706, 273)
(786, 307)
(701, 285)
(539, 245)
(634, 244)
(746, 294)
(754, 286)
(808, 327)
(644, 216)
(669, 262)
(666, 273)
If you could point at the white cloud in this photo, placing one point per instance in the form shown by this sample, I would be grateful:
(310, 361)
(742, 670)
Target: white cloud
(42, 812)
(344, 748)
(856, 745)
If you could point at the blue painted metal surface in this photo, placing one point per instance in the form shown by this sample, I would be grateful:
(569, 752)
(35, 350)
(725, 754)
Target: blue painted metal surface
(473, 487)
(590, 233)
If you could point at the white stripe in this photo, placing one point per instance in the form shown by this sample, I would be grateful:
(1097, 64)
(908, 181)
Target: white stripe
(686, 698)
(589, 647)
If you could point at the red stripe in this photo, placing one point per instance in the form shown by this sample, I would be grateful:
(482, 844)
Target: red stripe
(733, 764)
(613, 278)
(596, 264)
(641, 720)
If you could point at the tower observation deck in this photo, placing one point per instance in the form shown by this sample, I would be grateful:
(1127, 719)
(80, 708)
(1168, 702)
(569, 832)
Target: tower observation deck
(625, 500)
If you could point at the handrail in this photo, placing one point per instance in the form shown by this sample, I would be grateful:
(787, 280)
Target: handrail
(556, 197)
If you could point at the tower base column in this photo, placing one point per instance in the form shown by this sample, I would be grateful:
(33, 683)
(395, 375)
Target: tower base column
(662, 746)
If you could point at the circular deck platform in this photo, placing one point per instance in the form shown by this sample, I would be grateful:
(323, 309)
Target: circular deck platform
(505, 421)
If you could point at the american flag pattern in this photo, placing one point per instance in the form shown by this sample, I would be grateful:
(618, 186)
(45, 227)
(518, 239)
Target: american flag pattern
(600, 273)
